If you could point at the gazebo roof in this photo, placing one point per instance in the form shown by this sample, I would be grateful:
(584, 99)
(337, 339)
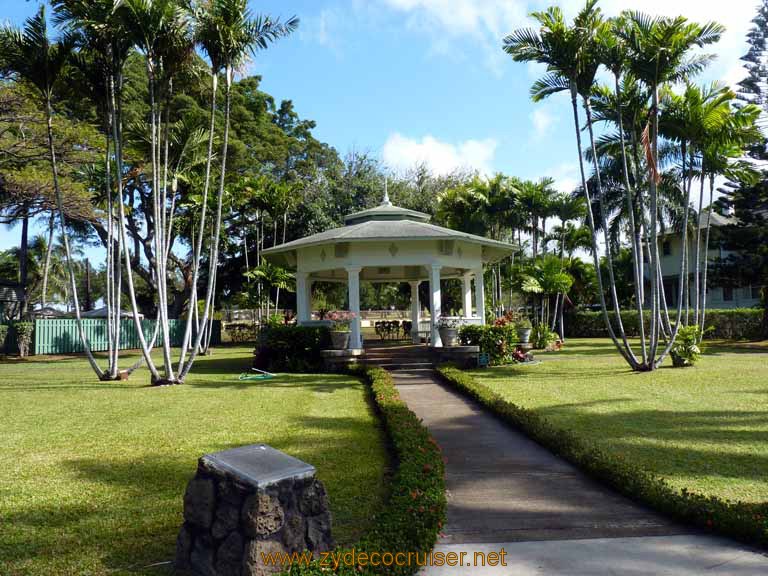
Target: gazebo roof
(389, 223)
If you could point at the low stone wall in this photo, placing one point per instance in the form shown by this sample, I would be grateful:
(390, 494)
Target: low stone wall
(248, 501)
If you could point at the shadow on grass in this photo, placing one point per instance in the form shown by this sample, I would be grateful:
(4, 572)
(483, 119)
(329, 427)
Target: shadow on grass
(131, 517)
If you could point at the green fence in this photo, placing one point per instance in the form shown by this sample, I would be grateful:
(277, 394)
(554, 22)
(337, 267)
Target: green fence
(61, 336)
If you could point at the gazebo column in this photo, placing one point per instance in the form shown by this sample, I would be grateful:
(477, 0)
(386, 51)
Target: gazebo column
(353, 286)
(480, 295)
(435, 304)
(467, 278)
(302, 303)
(415, 312)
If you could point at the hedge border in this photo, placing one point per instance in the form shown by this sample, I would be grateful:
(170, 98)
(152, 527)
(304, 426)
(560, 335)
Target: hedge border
(414, 513)
(743, 521)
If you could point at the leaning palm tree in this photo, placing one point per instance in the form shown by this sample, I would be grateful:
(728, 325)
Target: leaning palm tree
(227, 33)
(31, 55)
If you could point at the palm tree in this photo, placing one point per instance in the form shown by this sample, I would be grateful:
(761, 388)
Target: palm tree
(570, 55)
(658, 52)
(31, 55)
(227, 33)
(101, 27)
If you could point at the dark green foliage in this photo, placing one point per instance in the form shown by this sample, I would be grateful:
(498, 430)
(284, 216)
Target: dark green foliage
(744, 521)
(686, 351)
(240, 332)
(542, 337)
(23, 332)
(292, 348)
(3, 334)
(415, 512)
(733, 324)
(496, 341)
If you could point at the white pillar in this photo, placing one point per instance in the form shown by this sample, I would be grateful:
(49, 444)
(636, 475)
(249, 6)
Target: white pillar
(415, 312)
(302, 312)
(353, 286)
(435, 304)
(467, 295)
(480, 295)
(308, 298)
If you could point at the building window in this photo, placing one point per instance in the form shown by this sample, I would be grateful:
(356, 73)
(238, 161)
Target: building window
(666, 248)
(728, 293)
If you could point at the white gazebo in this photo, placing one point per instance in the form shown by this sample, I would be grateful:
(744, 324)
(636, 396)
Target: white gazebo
(390, 244)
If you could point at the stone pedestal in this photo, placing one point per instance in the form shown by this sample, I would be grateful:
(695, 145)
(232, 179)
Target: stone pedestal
(338, 360)
(246, 501)
(462, 356)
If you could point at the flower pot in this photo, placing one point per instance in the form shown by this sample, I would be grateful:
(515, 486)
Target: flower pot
(524, 335)
(339, 340)
(449, 336)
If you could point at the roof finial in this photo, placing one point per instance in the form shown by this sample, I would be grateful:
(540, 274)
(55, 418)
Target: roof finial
(386, 201)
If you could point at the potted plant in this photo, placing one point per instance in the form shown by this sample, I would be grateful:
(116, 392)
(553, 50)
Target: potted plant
(523, 328)
(449, 330)
(340, 328)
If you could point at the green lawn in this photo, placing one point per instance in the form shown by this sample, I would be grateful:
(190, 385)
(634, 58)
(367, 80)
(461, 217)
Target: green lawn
(92, 474)
(703, 428)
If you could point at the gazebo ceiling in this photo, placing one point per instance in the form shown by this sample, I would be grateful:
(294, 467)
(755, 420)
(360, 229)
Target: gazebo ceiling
(393, 226)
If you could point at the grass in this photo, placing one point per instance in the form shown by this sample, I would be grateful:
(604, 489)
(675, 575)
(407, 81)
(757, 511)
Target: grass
(92, 474)
(703, 428)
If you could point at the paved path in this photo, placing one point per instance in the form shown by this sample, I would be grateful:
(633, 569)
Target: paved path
(505, 491)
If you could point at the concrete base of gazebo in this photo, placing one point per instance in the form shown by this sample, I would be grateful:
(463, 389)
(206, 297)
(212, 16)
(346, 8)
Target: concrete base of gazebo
(337, 360)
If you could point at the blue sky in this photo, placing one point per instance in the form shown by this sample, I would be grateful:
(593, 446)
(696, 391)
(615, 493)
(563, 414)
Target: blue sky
(426, 80)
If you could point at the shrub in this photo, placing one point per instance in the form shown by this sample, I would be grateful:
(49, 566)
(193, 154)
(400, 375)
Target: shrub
(496, 341)
(745, 521)
(240, 332)
(415, 512)
(733, 324)
(542, 337)
(686, 351)
(24, 332)
(292, 348)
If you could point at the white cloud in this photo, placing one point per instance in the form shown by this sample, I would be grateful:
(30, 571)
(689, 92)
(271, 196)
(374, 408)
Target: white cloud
(401, 152)
(566, 175)
(450, 23)
(543, 122)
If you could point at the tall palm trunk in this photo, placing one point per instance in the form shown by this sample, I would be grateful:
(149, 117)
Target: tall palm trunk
(158, 213)
(213, 264)
(591, 222)
(706, 259)
(629, 354)
(655, 246)
(115, 112)
(24, 264)
(65, 237)
(697, 253)
(199, 245)
(636, 250)
(47, 261)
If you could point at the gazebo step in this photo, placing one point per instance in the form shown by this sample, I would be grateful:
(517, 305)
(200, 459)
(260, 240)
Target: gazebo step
(402, 365)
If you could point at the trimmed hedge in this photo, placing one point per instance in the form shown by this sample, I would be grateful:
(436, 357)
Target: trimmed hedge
(496, 341)
(415, 511)
(292, 348)
(744, 521)
(730, 324)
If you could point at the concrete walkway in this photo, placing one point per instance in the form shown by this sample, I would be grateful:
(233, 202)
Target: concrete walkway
(506, 492)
